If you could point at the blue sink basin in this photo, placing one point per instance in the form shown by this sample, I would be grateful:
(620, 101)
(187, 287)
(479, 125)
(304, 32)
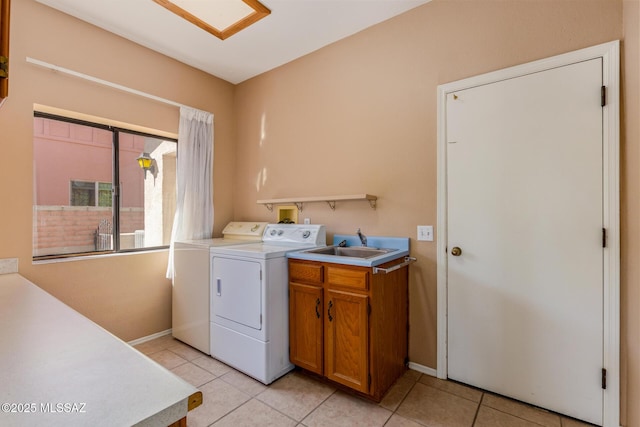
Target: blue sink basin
(354, 251)
(382, 250)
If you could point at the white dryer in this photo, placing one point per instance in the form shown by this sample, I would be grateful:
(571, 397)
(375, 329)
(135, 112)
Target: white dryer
(250, 300)
(190, 296)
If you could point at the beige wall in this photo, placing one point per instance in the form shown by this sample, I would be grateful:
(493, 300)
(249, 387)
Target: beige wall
(360, 116)
(128, 295)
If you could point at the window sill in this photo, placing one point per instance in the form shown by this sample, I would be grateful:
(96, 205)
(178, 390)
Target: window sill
(96, 256)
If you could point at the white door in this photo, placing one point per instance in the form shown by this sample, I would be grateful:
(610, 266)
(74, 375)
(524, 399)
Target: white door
(237, 291)
(525, 208)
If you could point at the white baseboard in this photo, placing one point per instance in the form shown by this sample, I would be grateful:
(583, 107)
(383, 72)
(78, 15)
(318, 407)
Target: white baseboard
(424, 369)
(149, 337)
(8, 265)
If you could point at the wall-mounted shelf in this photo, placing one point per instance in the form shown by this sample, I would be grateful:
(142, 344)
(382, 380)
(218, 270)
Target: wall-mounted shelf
(330, 200)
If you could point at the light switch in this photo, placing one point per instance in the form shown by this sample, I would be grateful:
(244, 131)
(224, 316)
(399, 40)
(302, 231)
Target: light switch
(425, 232)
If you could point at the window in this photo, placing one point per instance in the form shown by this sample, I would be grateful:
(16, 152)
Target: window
(83, 193)
(77, 207)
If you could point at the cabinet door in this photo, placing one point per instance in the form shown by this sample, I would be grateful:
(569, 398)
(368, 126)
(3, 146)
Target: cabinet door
(305, 326)
(347, 339)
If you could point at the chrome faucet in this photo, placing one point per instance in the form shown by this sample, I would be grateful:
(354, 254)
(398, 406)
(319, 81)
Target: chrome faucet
(362, 237)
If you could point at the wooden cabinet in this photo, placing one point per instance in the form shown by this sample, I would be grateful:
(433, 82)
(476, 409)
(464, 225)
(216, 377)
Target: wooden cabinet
(347, 339)
(348, 324)
(305, 326)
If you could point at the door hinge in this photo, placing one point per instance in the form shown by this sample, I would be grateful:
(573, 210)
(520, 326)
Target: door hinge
(603, 96)
(604, 379)
(604, 237)
(261, 320)
(369, 380)
(368, 309)
(260, 275)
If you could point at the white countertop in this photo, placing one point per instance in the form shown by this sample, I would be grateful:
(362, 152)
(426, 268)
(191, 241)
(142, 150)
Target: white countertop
(69, 371)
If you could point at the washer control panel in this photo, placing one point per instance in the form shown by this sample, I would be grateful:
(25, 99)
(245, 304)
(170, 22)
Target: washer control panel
(313, 234)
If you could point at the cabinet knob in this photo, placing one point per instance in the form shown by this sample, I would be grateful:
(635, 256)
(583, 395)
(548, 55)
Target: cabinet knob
(317, 308)
(329, 311)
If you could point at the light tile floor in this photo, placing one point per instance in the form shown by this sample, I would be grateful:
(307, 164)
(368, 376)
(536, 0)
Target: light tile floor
(231, 398)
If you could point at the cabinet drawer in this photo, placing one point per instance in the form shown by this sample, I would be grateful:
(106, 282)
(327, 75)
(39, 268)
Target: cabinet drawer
(348, 277)
(303, 272)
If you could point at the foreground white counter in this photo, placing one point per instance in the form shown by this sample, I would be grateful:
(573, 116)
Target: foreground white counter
(59, 368)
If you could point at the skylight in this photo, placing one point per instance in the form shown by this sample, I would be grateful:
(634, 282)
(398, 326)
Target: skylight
(222, 18)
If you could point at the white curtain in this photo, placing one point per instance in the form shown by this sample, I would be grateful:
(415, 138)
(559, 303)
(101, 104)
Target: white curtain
(194, 198)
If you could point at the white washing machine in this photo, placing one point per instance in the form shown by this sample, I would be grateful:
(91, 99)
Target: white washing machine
(250, 300)
(190, 296)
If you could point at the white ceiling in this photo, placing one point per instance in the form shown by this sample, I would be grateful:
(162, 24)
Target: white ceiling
(293, 29)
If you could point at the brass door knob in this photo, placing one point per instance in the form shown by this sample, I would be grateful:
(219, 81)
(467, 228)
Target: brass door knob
(456, 251)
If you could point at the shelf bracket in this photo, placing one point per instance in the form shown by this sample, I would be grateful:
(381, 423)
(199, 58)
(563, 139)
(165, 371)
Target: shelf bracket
(372, 203)
(299, 206)
(332, 204)
(269, 206)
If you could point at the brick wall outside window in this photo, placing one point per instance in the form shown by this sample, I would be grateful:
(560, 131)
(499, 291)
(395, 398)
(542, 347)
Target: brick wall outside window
(75, 227)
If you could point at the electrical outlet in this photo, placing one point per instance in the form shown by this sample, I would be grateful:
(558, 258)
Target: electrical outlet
(425, 232)
(307, 221)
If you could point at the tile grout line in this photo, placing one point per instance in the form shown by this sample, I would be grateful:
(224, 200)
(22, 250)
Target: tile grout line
(275, 409)
(212, 379)
(228, 413)
(259, 401)
(404, 397)
(475, 417)
(524, 419)
(454, 394)
(317, 406)
(481, 403)
(173, 367)
(395, 412)
(234, 409)
(215, 377)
